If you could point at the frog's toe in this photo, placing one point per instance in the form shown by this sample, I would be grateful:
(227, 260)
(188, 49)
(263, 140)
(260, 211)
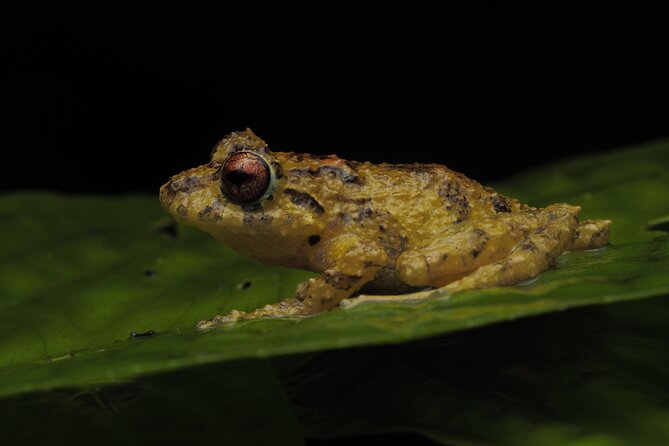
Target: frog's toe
(418, 296)
(220, 320)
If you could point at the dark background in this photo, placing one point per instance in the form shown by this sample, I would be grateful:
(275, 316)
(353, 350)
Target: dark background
(117, 100)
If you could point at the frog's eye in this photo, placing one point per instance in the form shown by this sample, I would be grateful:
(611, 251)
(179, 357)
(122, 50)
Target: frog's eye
(245, 177)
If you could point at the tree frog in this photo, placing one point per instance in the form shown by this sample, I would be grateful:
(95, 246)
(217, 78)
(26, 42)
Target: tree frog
(388, 229)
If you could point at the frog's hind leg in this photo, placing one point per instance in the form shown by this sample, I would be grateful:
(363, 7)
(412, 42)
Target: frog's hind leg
(533, 255)
(461, 250)
(590, 234)
(552, 230)
(466, 247)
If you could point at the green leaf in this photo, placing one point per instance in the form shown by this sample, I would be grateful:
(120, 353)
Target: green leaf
(239, 403)
(78, 274)
(595, 376)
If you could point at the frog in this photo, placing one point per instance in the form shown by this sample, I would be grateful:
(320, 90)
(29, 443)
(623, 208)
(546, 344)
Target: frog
(371, 231)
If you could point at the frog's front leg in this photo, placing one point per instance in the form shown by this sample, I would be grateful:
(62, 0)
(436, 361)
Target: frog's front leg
(349, 264)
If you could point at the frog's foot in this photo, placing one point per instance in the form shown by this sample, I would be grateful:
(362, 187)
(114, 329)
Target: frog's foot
(288, 308)
(590, 234)
(400, 298)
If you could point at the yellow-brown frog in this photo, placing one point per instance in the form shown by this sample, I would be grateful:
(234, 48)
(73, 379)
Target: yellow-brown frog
(388, 228)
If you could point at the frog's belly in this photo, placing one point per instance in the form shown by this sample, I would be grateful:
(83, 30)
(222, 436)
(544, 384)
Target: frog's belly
(387, 282)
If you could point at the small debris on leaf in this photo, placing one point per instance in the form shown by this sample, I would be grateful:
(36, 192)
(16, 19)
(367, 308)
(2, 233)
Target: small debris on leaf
(146, 334)
(244, 285)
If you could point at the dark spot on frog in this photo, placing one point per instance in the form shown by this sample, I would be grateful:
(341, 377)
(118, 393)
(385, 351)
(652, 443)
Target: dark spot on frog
(481, 239)
(305, 200)
(353, 165)
(333, 171)
(303, 172)
(205, 211)
(481, 234)
(393, 244)
(244, 285)
(146, 334)
(455, 200)
(382, 228)
(313, 239)
(167, 194)
(595, 239)
(169, 228)
(499, 203)
(345, 218)
(529, 245)
(149, 273)
(344, 176)
(251, 219)
(363, 213)
(339, 280)
(192, 182)
(254, 215)
(181, 210)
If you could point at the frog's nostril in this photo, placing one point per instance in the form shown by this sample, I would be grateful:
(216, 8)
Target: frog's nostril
(237, 177)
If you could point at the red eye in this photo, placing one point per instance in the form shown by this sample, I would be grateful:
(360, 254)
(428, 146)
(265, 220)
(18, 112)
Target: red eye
(245, 177)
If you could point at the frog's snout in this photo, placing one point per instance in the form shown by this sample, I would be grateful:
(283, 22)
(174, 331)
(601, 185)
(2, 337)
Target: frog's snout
(167, 194)
(181, 185)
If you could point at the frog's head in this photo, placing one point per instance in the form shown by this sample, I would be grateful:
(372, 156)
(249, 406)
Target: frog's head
(238, 198)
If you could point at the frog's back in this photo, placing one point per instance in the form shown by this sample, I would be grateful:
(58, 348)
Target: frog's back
(415, 199)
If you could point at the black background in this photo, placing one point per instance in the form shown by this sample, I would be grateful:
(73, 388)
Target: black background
(115, 101)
